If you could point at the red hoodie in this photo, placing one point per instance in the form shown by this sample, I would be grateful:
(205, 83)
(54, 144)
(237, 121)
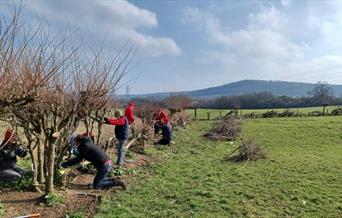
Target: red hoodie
(129, 113)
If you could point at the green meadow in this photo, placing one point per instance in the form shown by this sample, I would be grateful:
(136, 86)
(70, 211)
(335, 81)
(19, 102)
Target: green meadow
(301, 175)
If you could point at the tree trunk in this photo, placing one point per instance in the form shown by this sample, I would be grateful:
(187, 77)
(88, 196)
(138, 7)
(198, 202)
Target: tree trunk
(41, 161)
(51, 155)
(99, 133)
(33, 155)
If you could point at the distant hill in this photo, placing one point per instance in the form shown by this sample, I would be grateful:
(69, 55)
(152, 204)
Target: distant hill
(244, 87)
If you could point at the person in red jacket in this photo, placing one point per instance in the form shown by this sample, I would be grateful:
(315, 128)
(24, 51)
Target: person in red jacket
(160, 116)
(129, 112)
(121, 133)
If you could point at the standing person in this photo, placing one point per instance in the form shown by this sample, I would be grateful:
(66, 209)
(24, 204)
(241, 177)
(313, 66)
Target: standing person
(9, 150)
(87, 150)
(121, 133)
(129, 112)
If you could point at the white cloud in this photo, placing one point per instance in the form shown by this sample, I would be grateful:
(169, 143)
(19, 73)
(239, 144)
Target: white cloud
(286, 3)
(117, 20)
(274, 44)
(261, 40)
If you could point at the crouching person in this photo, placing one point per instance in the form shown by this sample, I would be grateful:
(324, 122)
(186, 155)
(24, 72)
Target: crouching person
(166, 130)
(10, 148)
(85, 149)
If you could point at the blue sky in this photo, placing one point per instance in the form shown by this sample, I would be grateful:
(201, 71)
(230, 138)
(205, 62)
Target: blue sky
(186, 45)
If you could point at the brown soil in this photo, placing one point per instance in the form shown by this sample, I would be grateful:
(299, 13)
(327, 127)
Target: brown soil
(78, 197)
(25, 203)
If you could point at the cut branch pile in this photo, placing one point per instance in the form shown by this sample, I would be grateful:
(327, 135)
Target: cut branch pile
(180, 119)
(226, 129)
(247, 151)
(143, 136)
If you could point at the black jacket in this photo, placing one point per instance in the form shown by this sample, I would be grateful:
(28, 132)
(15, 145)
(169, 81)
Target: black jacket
(8, 156)
(90, 152)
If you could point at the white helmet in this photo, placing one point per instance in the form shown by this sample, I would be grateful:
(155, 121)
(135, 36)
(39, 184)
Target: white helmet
(72, 138)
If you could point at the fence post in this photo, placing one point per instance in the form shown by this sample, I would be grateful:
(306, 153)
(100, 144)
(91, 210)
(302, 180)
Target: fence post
(297, 113)
(195, 113)
(220, 114)
(208, 114)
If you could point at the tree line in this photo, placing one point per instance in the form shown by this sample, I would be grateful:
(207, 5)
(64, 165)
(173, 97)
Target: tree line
(321, 94)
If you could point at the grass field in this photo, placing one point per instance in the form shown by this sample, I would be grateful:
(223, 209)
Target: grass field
(202, 113)
(301, 176)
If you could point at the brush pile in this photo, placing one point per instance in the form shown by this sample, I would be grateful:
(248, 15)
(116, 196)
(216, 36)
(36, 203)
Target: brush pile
(247, 151)
(180, 119)
(227, 128)
(337, 112)
(143, 132)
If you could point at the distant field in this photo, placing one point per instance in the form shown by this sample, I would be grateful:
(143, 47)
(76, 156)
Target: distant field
(301, 176)
(203, 113)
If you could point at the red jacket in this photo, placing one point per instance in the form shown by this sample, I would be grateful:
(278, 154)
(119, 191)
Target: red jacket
(162, 116)
(129, 113)
(121, 127)
(116, 121)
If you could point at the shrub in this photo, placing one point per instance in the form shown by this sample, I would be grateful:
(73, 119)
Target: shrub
(228, 128)
(316, 113)
(251, 115)
(336, 112)
(269, 114)
(248, 150)
(287, 113)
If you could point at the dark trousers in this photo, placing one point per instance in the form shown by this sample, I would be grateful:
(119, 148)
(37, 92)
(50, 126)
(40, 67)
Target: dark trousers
(164, 141)
(12, 174)
(100, 178)
(156, 129)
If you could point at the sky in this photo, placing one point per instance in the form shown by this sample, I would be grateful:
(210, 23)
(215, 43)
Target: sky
(188, 45)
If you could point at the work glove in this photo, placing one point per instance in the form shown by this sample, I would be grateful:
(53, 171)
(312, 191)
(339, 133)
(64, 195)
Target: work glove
(106, 120)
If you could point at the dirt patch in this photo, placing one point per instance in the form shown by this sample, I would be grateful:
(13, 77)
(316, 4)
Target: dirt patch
(139, 160)
(79, 198)
(24, 203)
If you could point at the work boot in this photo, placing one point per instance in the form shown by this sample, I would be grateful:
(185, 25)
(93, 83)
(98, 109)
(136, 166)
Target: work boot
(119, 182)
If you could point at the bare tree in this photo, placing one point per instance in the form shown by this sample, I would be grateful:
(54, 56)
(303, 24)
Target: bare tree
(322, 93)
(48, 85)
(177, 103)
